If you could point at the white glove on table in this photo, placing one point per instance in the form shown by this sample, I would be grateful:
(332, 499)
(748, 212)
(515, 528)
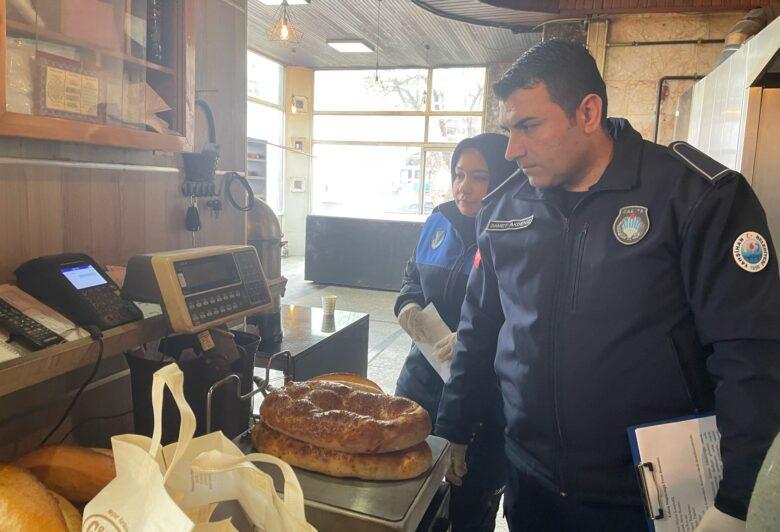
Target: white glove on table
(716, 521)
(457, 468)
(442, 351)
(412, 321)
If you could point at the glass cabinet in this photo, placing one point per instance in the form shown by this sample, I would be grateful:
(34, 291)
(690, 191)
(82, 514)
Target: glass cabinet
(113, 72)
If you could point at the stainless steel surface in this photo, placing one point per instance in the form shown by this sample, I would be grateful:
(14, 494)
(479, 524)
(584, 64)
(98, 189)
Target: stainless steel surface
(264, 232)
(353, 504)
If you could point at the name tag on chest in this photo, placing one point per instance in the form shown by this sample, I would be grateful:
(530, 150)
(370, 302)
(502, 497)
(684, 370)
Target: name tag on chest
(509, 225)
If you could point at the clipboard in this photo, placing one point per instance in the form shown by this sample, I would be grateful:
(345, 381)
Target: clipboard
(678, 469)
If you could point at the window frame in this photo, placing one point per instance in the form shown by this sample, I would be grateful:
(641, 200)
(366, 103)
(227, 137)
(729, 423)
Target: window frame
(427, 113)
(279, 107)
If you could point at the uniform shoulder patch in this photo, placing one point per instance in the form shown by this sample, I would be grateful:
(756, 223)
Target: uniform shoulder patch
(700, 162)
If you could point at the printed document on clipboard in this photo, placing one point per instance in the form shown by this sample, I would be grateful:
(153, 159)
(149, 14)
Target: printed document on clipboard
(679, 468)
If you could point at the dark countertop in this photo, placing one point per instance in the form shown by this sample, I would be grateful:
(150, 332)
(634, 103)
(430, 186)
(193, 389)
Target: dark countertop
(306, 327)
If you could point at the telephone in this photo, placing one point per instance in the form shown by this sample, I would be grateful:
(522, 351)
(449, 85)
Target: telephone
(20, 326)
(74, 284)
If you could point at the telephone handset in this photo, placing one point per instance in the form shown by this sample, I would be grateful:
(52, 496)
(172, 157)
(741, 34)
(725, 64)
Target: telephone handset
(78, 287)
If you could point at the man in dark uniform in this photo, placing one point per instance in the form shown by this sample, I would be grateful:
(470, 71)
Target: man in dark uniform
(617, 282)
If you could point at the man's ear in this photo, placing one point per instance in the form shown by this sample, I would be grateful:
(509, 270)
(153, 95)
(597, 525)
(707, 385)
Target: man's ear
(590, 110)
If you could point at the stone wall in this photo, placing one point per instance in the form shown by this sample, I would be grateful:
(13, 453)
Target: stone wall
(632, 73)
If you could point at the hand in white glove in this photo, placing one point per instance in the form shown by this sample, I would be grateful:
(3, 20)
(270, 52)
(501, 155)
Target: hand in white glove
(442, 351)
(457, 468)
(716, 521)
(412, 320)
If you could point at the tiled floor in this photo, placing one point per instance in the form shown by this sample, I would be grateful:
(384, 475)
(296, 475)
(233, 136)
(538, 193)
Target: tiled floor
(388, 345)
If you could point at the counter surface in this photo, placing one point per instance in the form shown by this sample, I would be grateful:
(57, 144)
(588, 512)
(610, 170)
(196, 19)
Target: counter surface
(317, 343)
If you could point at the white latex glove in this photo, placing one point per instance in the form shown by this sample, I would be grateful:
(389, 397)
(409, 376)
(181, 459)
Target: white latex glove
(413, 323)
(442, 351)
(457, 468)
(716, 521)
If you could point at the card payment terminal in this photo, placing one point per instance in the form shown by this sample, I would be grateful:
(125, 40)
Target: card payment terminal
(78, 287)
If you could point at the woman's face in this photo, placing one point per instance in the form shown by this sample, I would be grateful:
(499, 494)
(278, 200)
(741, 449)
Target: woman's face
(471, 182)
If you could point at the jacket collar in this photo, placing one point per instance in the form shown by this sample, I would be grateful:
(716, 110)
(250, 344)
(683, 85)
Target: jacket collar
(464, 226)
(623, 170)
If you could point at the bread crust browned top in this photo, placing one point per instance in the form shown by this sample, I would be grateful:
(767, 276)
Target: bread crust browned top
(399, 465)
(334, 416)
(353, 381)
(76, 473)
(25, 504)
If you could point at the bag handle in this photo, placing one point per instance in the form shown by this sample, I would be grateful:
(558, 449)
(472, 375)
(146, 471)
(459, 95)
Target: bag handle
(172, 377)
(217, 462)
(293, 494)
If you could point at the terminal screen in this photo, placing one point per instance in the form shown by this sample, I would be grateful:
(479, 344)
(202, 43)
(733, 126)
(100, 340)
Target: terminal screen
(83, 276)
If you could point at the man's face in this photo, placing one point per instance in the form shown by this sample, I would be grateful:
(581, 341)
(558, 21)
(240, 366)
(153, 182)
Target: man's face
(544, 142)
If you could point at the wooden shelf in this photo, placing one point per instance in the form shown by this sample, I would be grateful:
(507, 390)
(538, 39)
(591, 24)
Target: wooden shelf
(60, 38)
(39, 366)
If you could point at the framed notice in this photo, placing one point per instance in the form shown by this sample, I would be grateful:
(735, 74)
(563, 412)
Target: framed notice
(67, 89)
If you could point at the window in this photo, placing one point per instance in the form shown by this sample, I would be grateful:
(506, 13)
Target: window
(265, 127)
(384, 148)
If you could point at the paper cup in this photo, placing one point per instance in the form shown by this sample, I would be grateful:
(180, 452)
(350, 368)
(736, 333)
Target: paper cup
(328, 305)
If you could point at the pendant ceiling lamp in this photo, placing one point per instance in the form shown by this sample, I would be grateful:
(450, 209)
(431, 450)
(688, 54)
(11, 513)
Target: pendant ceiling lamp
(283, 29)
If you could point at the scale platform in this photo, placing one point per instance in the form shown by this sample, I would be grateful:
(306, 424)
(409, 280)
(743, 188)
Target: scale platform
(347, 504)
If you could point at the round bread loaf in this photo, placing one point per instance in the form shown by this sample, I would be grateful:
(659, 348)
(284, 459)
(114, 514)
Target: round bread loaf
(69, 512)
(353, 381)
(25, 504)
(334, 416)
(76, 473)
(399, 465)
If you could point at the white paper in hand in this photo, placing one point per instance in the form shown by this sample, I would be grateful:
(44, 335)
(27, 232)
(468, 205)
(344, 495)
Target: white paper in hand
(438, 330)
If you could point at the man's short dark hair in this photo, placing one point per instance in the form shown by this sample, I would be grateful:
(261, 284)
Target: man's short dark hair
(567, 69)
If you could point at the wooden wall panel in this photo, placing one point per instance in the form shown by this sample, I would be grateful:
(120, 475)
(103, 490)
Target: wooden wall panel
(132, 213)
(108, 214)
(13, 214)
(112, 213)
(45, 211)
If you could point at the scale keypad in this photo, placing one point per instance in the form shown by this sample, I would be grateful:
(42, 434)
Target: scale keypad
(216, 304)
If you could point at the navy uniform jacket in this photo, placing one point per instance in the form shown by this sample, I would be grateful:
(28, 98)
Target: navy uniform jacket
(436, 273)
(633, 309)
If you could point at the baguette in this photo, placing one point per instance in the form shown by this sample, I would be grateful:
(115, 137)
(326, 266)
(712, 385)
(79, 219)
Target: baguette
(76, 473)
(25, 504)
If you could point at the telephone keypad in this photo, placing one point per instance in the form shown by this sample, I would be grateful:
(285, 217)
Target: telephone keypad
(112, 309)
(19, 324)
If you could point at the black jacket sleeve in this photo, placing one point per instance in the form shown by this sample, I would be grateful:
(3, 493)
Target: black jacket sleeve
(737, 315)
(411, 289)
(468, 396)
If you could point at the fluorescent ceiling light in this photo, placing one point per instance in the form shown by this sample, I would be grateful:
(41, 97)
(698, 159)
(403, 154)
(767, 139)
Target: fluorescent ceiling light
(289, 2)
(351, 46)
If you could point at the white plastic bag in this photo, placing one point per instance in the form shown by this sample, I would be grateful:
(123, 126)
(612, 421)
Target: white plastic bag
(176, 487)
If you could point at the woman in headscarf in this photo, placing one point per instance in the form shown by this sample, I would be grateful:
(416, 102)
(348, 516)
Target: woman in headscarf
(437, 274)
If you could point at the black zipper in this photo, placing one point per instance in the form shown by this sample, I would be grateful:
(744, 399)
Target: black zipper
(578, 266)
(560, 286)
(553, 323)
